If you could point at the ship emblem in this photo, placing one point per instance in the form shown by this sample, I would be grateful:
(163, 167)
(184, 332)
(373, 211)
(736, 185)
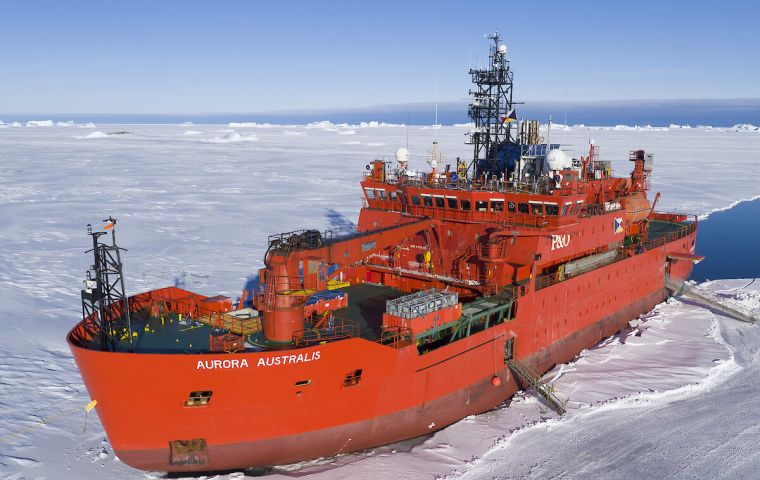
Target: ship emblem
(619, 225)
(560, 241)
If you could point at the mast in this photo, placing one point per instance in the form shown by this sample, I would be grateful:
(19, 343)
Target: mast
(103, 297)
(492, 112)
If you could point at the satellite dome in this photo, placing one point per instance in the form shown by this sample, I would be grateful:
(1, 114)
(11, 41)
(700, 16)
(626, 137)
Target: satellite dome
(402, 154)
(557, 159)
(502, 48)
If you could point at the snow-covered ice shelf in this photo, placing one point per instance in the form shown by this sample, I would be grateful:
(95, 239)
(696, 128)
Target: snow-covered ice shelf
(196, 205)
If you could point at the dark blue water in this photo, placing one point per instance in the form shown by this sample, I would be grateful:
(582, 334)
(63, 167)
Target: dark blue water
(730, 241)
(718, 113)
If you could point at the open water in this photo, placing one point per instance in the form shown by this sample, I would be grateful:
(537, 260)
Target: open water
(730, 242)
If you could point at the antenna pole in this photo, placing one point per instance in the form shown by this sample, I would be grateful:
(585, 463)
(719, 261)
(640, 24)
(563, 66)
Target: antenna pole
(490, 110)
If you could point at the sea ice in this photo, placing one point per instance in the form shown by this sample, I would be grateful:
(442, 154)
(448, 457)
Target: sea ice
(197, 213)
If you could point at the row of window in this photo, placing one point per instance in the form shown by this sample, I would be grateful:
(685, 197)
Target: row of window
(494, 205)
(379, 193)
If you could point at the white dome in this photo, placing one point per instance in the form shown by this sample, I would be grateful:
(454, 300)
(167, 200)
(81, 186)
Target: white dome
(502, 48)
(402, 154)
(557, 159)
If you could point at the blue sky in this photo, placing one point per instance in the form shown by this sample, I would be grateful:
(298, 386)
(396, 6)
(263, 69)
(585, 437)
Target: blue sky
(253, 56)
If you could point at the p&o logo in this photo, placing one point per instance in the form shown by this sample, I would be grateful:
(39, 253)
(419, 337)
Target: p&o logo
(560, 241)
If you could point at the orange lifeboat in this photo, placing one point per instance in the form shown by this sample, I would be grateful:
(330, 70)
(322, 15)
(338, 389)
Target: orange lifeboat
(636, 207)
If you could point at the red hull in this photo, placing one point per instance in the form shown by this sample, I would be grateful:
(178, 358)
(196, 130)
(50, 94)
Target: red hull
(260, 417)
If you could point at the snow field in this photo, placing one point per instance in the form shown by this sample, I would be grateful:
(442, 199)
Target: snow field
(196, 212)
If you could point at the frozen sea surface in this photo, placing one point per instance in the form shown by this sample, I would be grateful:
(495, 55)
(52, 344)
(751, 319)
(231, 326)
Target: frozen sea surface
(196, 204)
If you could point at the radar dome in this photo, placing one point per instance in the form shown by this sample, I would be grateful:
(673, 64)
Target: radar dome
(557, 159)
(502, 48)
(402, 154)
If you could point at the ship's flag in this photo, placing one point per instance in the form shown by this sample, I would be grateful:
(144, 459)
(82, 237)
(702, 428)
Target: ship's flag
(619, 225)
(510, 117)
(108, 226)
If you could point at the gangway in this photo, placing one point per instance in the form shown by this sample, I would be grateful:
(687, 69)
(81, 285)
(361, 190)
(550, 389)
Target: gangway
(529, 378)
(683, 289)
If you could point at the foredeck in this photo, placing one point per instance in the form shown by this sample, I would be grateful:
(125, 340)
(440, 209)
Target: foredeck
(366, 305)
(170, 332)
(662, 228)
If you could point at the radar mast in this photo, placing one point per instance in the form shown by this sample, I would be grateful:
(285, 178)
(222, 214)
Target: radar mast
(493, 113)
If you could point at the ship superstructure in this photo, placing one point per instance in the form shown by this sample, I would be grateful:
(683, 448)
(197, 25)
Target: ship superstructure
(460, 284)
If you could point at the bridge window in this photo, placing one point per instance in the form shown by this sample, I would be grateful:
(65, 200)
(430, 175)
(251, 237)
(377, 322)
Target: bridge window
(497, 205)
(465, 204)
(370, 193)
(551, 209)
(522, 208)
(439, 202)
(536, 209)
(481, 205)
(427, 200)
(566, 208)
(416, 200)
(381, 194)
(393, 195)
(511, 207)
(452, 202)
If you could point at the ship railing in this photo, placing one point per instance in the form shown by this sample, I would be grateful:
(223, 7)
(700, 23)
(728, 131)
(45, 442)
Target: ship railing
(676, 217)
(238, 325)
(546, 280)
(336, 328)
(396, 337)
(484, 216)
(306, 239)
(422, 179)
(683, 231)
(549, 279)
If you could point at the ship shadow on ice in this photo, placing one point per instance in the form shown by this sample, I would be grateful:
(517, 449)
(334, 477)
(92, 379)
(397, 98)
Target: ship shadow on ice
(249, 472)
(250, 288)
(340, 222)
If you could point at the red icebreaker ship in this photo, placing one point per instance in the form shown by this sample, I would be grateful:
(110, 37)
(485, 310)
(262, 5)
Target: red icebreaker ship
(459, 286)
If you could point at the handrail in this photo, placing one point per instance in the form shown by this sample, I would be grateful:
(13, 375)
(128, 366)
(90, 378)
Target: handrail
(396, 337)
(546, 280)
(337, 328)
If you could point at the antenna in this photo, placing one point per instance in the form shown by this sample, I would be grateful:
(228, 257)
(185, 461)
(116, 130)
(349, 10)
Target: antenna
(408, 116)
(105, 306)
(492, 111)
(436, 126)
(564, 130)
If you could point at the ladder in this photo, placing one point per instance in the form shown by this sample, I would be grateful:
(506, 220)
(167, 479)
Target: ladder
(682, 289)
(531, 379)
(269, 292)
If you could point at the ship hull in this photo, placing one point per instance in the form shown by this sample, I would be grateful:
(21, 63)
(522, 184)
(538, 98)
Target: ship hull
(259, 415)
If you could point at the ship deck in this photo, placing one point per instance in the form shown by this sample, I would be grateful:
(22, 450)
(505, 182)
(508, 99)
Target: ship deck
(661, 228)
(169, 334)
(366, 305)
